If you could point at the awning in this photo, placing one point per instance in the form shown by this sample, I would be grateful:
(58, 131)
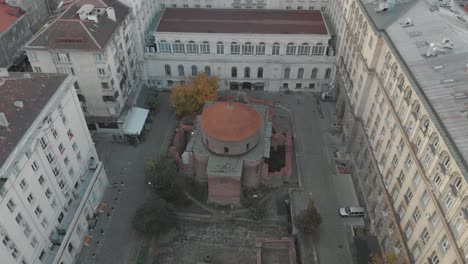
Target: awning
(135, 121)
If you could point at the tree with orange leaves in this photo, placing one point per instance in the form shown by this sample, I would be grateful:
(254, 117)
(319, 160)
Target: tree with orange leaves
(189, 98)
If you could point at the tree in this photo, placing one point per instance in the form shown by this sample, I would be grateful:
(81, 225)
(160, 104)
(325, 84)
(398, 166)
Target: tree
(154, 217)
(189, 98)
(164, 176)
(379, 259)
(309, 219)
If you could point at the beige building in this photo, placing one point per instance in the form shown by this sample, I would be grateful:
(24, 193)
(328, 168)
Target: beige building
(402, 69)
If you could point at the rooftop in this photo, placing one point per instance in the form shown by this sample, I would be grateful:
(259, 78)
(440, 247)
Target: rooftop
(230, 121)
(34, 90)
(8, 16)
(242, 21)
(90, 32)
(440, 80)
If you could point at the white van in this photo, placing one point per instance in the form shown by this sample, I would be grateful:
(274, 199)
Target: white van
(352, 211)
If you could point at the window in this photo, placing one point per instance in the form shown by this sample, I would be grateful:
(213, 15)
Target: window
(6, 240)
(276, 49)
(205, 47)
(194, 70)
(247, 72)
(425, 236)
(101, 71)
(318, 49)
(192, 47)
(44, 222)
(41, 180)
(70, 134)
(444, 244)
(425, 198)
(408, 231)
(300, 73)
(234, 72)
(291, 49)
(99, 57)
(235, 48)
(105, 85)
(38, 211)
(287, 73)
(32, 56)
(165, 47)
(18, 218)
(37, 69)
(304, 49)
(328, 73)
(178, 47)
(448, 201)
(314, 73)
(260, 49)
(23, 185)
(226, 150)
(247, 48)
(207, 71)
(409, 195)
(167, 70)
(416, 215)
(70, 247)
(458, 184)
(34, 166)
(416, 252)
(434, 258)
(34, 242)
(219, 48)
(298, 85)
(260, 72)
(61, 148)
(30, 198)
(11, 205)
(62, 57)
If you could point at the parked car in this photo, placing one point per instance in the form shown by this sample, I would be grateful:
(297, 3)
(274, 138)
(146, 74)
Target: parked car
(351, 211)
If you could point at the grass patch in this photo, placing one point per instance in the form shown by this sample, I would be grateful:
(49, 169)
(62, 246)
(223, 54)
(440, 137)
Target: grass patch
(143, 254)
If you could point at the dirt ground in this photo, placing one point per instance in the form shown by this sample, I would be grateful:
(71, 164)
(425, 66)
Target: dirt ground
(216, 243)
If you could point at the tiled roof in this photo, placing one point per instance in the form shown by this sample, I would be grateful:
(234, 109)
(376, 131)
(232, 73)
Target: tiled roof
(8, 16)
(34, 90)
(240, 21)
(69, 32)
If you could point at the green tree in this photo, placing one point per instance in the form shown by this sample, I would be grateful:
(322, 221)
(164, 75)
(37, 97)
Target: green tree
(164, 176)
(309, 219)
(154, 217)
(189, 98)
(389, 258)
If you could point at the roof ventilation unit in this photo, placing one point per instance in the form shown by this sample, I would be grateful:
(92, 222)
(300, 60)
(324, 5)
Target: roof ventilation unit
(407, 23)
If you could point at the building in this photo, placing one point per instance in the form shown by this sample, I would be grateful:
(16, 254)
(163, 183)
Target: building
(228, 148)
(246, 49)
(19, 20)
(93, 40)
(51, 179)
(246, 4)
(401, 75)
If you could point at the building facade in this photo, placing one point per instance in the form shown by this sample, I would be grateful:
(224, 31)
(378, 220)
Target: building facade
(242, 53)
(94, 41)
(247, 4)
(400, 66)
(19, 20)
(51, 179)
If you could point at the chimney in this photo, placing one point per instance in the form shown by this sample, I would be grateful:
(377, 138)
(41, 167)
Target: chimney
(3, 121)
(4, 72)
(111, 13)
(18, 104)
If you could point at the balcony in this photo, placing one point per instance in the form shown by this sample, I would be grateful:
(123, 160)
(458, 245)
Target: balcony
(64, 230)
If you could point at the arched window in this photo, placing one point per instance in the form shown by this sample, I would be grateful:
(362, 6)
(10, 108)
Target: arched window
(314, 73)
(234, 72)
(304, 49)
(247, 48)
(207, 71)
(164, 47)
(291, 49)
(318, 49)
(287, 73)
(192, 47)
(408, 94)
(276, 49)
(167, 69)
(458, 183)
(260, 49)
(328, 73)
(446, 161)
(235, 48)
(178, 47)
(205, 47)
(300, 73)
(181, 70)
(425, 124)
(194, 70)
(247, 72)
(219, 48)
(400, 82)
(260, 72)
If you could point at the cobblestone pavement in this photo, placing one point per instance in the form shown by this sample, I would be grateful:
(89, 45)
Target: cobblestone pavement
(221, 242)
(125, 164)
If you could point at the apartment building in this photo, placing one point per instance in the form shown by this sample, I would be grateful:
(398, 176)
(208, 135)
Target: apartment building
(51, 179)
(94, 41)
(247, 4)
(402, 68)
(19, 20)
(246, 49)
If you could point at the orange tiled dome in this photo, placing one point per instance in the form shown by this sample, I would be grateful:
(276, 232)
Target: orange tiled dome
(230, 121)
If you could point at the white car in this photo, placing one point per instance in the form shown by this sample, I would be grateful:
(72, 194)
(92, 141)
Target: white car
(352, 211)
